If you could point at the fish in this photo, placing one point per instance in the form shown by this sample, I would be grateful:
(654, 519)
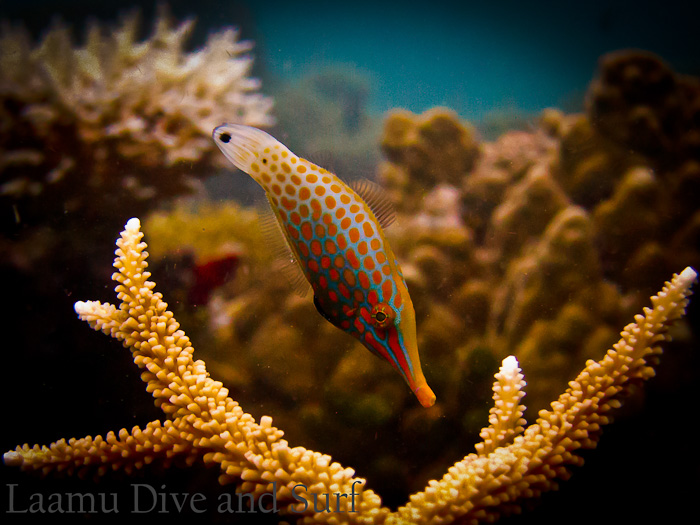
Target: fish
(334, 235)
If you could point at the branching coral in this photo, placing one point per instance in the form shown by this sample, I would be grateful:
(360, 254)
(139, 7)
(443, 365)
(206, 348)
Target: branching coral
(511, 465)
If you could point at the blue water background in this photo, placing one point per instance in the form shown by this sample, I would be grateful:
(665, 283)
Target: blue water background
(475, 57)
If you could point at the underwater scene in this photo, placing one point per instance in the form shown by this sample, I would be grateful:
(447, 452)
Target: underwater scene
(359, 263)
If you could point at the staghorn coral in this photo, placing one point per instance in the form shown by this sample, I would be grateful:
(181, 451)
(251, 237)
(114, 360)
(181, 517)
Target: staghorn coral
(117, 123)
(511, 465)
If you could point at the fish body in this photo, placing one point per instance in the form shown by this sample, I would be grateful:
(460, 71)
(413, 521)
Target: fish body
(340, 246)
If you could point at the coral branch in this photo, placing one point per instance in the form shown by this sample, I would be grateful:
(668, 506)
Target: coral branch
(203, 422)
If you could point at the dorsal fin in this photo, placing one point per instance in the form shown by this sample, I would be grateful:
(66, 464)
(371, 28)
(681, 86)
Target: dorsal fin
(285, 260)
(376, 198)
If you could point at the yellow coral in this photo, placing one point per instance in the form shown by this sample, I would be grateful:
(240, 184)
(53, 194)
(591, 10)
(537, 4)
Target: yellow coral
(512, 464)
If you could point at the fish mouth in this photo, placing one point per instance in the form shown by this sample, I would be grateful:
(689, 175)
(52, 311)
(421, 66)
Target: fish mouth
(426, 396)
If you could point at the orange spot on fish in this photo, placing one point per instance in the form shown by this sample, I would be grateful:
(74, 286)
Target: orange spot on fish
(344, 199)
(304, 210)
(352, 258)
(296, 179)
(330, 202)
(344, 291)
(323, 282)
(304, 193)
(325, 262)
(286, 167)
(331, 247)
(293, 231)
(316, 247)
(283, 215)
(354, 208)
(276, 189)
(316, 206)
(320, 230)
(290, 190)
(332, 230)
(333, 274)
(290, 204)
(362, 248)
(326, 180)
(367, 228)
(377, 276)
(339, 261)
(307, 231)
(386, 270)
(311, 178)
(256, 168)
(387, 291)
(359, 296)
(335, 188)
(398, 300)
(374, 244)
(339, 213)
(369, 263)
(372, 297)
(381, 258)
(349, 277)
(301, 168)
(303, 248)
(345, 223)
(364, 280)
(327, 219)
(342, 243)
(333, 296)
(313, 265)
(296, 219)
(354, 235)
(320, 191)
(359, 325)
(364, 313)
(359, 217)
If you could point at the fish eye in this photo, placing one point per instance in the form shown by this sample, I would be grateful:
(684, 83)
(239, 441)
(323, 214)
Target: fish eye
(382, 315)
(225, 138)
(264, 161)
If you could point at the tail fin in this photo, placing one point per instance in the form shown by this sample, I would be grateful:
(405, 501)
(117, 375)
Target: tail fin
(242, 145)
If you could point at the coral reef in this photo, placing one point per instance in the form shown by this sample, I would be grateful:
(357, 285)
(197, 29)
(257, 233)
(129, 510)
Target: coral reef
(539, 244)
(638, 102)
(116, 123)
(513, 464)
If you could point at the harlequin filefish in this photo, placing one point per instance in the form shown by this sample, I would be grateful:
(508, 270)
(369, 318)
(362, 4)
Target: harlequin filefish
(334, 234)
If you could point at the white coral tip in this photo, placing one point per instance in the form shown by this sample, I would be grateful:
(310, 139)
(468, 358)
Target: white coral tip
(12, 458)
(133, 224)
(687, 277)
(510, 364)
